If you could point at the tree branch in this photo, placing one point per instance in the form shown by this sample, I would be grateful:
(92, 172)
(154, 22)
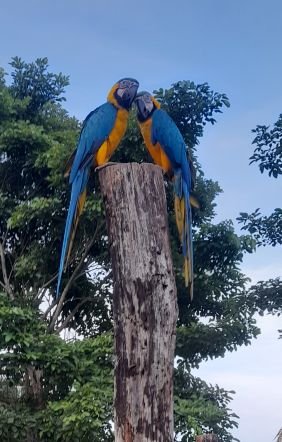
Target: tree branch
(6, 284)
(44, 289)
(72, 313)
(2, 285)
(69, 283)
(46, 284)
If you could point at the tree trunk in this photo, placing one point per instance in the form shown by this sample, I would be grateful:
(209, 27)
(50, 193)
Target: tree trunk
(34, 395)
(144, 301)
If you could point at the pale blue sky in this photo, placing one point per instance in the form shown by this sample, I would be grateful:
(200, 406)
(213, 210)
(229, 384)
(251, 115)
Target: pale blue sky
(233, 45)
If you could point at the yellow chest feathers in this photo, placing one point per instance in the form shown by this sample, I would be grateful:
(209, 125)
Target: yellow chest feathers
(158, 155)
(110, 144)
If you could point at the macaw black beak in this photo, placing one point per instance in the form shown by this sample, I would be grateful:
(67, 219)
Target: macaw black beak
(129, 94)
(144, 106)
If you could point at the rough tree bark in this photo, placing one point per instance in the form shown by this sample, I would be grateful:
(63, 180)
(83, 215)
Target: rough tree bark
(144, 301)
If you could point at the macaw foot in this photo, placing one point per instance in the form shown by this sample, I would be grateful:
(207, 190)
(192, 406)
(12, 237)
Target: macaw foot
(109, 163)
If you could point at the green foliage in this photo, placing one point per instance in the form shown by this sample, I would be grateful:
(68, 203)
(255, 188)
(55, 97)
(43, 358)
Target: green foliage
(193, 342)
(201, 407)
(36, 138)
(48, 87)
(268, 152)
(268, 296)
(2, 78)
(16, 423)
(83, 416)
(265, 229)
(192, 106)
(76, 380)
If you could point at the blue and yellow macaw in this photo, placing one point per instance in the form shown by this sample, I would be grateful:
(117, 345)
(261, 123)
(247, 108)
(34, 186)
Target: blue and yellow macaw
(167, 149)
(100, 135)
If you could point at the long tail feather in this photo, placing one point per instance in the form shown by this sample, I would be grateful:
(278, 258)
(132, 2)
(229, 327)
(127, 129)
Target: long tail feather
(187, 244)
(78, 212)
(78, 195)
(184, 224)
(179, 214)
(194, 202)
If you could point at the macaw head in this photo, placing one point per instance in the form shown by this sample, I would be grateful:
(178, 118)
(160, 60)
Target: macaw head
(146, 104)
(123, 93)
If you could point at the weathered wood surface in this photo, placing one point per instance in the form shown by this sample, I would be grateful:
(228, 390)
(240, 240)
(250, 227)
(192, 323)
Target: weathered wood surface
(144, 301)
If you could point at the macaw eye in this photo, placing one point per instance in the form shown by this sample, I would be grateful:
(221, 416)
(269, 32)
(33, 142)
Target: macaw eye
(124, 84)
(147, 98)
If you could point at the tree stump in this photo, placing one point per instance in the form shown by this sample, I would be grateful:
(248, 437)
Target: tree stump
(144, 301)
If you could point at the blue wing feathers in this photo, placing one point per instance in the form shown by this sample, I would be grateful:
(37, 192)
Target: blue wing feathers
(166, 133)
(96, 128)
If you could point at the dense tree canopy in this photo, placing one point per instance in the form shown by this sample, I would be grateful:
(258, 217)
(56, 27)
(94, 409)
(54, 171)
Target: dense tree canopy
(65, 388)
